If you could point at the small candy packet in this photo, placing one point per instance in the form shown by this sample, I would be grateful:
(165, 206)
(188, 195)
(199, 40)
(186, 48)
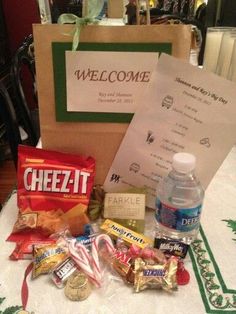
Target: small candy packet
(119, 262)
(129, 236)
(24, 250)
(150, 275)
(171, 247)
(77, 287)
(46, 258)
(63, 271)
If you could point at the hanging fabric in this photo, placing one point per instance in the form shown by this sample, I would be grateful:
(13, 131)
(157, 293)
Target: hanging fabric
(180, 7)
(191, 8)
(183, 7)
(187, 8)
(176, 7)
(167, 5)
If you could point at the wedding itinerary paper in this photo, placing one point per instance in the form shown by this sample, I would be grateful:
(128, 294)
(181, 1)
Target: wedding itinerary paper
(185, 109)
(107, 81)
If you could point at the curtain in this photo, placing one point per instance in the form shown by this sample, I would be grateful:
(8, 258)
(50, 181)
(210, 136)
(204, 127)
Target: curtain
(180, 7)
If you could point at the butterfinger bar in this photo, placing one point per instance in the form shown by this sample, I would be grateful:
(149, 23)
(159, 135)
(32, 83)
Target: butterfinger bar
(129, 236)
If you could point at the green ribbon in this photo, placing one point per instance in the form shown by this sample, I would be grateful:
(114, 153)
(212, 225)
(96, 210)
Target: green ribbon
(93, 10)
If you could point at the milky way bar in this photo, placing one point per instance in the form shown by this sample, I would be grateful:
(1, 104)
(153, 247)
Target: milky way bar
(129, 236)
(171, 247)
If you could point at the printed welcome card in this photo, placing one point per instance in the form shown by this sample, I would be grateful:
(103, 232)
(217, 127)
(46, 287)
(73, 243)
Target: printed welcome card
(107, 81)
(102, 82)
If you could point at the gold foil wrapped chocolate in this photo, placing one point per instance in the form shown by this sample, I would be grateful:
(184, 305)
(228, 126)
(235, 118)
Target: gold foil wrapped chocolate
(46, 258)
(150, 275)
(77, 287)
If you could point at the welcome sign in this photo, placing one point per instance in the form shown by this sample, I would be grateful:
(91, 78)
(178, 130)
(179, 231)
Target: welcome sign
(107, 81)
(101, 82)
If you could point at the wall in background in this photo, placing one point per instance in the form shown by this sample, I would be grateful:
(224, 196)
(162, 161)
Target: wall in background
(19, 16)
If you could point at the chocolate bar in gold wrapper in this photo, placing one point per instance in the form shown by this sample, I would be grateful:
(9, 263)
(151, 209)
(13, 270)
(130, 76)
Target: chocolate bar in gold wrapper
(155, 276)
(129, 236)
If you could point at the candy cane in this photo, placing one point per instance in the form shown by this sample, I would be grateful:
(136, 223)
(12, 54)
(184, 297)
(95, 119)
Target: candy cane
(83, 260)
(90, 264)
(95, 246)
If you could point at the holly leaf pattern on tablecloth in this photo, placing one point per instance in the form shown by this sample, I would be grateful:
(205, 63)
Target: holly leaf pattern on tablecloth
(231, 224)
(1, 300)
(11, 309)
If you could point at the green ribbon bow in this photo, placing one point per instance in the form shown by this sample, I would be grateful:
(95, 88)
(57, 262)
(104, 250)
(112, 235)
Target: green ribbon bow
(93, 10)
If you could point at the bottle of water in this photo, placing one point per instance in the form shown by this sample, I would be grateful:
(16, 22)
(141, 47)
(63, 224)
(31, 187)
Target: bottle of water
(178, 206)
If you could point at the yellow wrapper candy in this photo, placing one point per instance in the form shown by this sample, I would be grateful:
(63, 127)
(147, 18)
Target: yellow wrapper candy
(149, 275)
(46, 258)
(129, 236)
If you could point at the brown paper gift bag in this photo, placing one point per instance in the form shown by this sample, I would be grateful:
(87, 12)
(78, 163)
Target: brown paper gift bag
(98, 139)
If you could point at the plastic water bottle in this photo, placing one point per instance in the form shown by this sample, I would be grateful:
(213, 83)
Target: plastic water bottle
(178, 206)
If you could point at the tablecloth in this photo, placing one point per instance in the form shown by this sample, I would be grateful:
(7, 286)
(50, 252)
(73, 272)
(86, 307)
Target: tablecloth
(210, 262)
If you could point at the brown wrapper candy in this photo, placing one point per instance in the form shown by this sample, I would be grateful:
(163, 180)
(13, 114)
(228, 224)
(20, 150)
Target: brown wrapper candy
(63, 271)
(121, 263)
(123, 266)
(149, 275)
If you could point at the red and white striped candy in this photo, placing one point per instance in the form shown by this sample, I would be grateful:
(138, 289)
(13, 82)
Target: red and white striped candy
(90, 263)
(82, 258)
(95, 248)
